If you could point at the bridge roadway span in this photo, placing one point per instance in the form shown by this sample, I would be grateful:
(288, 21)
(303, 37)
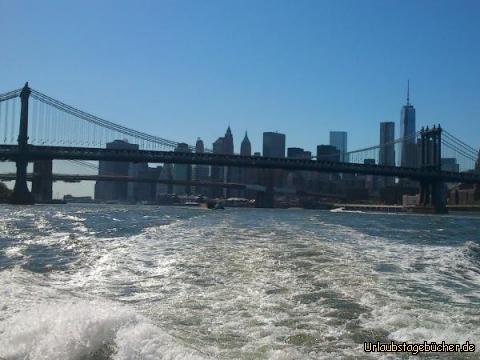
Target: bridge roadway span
(35, 152)
(81, 177)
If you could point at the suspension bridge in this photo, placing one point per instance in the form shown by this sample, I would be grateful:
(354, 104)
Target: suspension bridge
(34, 126)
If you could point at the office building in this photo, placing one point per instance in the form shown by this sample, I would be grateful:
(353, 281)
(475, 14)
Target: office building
(217, 173)
(247, 175)
(114, 190)
(298, 153)
(328, 153)
(165, 174)
(273, 144)
(449, 164)
(246, 146)
(387, 146)
(339, 140)
(408, 149)
(200, 172)
(182, 172)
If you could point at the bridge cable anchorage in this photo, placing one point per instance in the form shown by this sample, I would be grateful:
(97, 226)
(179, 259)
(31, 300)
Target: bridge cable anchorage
(105, 123)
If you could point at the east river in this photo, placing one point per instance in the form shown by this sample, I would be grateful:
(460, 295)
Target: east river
(145, 282)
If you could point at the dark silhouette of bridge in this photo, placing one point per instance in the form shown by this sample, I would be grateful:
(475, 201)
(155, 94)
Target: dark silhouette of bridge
(61, 132)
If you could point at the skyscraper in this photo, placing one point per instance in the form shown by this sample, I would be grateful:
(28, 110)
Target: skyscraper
(247, 175)
(246, 147)
(339, 140)
(273, 144)
(408, 149)
(387, 147)
(217, 172)
(182, 172)
(228, 142)
(200, 172)
(114, 190)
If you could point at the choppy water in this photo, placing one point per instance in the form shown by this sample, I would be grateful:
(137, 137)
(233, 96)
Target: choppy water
(103, 282)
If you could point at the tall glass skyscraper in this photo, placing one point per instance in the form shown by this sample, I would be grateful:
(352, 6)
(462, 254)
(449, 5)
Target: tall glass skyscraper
(273, 144)
(387, 147)
(339, 140)
(408, 148)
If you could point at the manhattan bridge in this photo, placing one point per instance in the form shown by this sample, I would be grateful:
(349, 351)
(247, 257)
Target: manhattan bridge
(35, 127)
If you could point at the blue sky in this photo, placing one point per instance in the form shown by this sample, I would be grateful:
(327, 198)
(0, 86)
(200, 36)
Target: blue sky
(183, 69)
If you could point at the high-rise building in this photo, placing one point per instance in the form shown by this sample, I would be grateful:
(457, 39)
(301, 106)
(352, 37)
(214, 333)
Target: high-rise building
(408, 150)
(339, 140)
(166, 174)
(114, 190)
(247, 175)
(182, 172)
(228, 142)
(387, 146)
(246, 147)
(200, 172)
(449, 164)
(217, 173)
(298, 153)
(273, 144)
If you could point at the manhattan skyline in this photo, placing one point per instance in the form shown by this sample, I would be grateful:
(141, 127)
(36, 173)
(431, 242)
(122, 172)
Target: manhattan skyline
(185, 70)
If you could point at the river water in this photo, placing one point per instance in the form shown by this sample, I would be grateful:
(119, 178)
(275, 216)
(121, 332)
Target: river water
(144, 282)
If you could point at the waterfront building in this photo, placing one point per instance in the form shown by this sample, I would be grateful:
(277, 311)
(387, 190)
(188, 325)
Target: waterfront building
(114, 190)
(200, 172)
(165, 174)
(339, 140)
(273, 146)
(217, 173)
(182, 172)
(247, 175)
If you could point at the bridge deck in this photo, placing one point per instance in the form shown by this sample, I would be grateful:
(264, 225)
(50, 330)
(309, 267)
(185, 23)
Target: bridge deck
(12, 153)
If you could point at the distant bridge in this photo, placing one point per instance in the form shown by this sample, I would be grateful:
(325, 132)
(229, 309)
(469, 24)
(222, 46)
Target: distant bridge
(61, 132)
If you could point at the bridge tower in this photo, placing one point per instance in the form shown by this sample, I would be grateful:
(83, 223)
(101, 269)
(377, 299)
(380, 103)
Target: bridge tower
(42, 181)
(21, 194)
(265, 199)
(432, 191)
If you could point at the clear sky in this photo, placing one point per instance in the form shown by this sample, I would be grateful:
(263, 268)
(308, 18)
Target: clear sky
(183, 69)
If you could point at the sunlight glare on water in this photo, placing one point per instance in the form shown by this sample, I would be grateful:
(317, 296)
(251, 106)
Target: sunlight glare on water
(112, 282)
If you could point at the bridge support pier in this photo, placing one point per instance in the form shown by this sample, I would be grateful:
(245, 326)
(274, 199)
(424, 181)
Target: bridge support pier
(42, 181)
(265, 199)
(21, 195)
(433, 195)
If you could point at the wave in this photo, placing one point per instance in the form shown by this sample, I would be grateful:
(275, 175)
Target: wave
(86, 330)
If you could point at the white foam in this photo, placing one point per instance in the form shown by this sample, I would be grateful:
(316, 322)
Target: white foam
(77, 330)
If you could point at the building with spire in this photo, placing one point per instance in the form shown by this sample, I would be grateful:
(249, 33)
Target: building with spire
(408, 149)
(247, 175)
(228, 142)
(246, 147)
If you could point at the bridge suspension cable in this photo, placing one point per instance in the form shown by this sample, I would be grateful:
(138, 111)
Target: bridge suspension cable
(89, 131)
(10, 95)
